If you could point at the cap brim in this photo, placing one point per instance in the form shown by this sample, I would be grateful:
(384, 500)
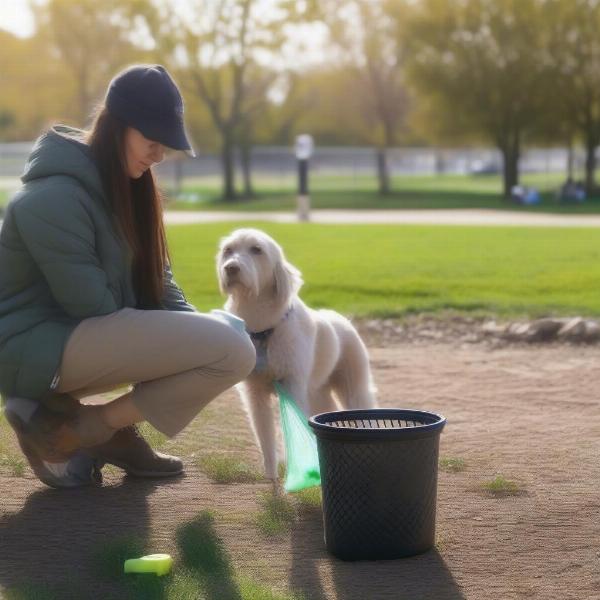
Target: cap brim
(178, 140)
(173, 136)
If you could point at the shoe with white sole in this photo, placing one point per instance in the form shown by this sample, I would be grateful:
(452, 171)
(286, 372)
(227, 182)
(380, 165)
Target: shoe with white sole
(41, 434)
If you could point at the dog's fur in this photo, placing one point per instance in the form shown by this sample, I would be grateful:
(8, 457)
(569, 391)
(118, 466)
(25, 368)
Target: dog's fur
(316, 354)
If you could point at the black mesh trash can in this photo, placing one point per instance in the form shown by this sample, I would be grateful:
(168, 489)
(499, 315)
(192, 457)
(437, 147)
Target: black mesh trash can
(379, 480)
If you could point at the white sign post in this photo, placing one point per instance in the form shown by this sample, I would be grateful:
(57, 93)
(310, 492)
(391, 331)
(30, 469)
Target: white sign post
(304, 149)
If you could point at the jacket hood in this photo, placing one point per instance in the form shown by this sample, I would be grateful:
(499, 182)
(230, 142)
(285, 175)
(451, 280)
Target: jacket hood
(62, 151)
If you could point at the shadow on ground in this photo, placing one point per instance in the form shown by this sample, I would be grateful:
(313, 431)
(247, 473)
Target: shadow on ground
(314, 572)
(67, 537)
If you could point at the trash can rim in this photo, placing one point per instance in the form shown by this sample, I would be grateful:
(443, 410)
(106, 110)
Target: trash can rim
(379, 413)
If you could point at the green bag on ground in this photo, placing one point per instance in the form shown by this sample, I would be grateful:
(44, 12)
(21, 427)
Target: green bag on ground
(302, 458)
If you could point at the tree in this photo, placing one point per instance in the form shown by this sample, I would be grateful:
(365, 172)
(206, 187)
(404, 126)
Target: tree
(479, 63)
(34, 91)
(92, 40)
(222, 50)
(256, 103)
(363, 32)
(281, 119)
(573, 64)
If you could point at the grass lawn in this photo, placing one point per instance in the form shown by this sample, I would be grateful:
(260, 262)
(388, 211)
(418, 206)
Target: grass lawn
(389, 270)
(360, 192)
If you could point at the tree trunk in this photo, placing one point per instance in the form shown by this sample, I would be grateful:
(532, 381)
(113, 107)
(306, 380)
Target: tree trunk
(590, 165)
(510, 163)
(570, 161)
(383, 175)
(510, 171)
(246, 150)
(227, 163)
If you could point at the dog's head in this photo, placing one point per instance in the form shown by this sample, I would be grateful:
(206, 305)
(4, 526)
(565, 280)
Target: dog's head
(251, 263)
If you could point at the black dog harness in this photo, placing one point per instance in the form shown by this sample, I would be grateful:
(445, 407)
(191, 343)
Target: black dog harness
(260, 339)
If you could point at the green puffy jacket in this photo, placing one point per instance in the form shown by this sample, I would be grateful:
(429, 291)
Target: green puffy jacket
(61, 261)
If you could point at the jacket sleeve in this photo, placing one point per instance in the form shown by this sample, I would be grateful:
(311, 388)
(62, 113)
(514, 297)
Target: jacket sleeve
(59, 234)
(173, 298)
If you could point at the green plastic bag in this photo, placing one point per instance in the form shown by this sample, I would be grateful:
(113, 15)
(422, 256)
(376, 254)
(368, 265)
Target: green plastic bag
(302, 469)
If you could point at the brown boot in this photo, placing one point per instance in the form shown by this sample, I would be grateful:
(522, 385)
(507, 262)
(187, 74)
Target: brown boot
(37, 429)
(128, 450)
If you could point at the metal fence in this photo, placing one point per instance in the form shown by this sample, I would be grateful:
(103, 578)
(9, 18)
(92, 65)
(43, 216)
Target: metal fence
(279, 163)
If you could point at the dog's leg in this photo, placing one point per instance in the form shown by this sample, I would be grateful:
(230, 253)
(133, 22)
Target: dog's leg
(296, 387)
(352, 380)
(321, 400)
(259, 406)
(354, 391)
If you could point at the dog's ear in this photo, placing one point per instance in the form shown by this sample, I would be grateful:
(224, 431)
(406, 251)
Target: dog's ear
(288, 279)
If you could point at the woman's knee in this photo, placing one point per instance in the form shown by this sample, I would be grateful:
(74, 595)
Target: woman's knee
(237, 347)
(228, 344)
(241, 356)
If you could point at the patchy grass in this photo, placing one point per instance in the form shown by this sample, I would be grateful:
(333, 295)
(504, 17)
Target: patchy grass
(250, 590)
(202, 570)
(110, 557)
(452, 465)
(501, 487)
(441, 542)
(12, 461)
(277, 514)
(155, 438)
(309, 499)
(204, 556)
(14, 464)
(72, 588)
(281, 470)
(227, 469)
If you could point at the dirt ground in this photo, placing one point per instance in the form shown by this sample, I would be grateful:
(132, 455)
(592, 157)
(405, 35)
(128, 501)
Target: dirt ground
(528, 413)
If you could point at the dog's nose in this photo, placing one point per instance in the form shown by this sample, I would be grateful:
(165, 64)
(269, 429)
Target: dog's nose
(232, 269)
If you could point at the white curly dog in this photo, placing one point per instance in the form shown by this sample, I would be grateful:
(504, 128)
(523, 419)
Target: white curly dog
(315, 354)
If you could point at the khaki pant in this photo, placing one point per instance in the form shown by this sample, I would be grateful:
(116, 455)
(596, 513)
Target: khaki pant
(177, 361)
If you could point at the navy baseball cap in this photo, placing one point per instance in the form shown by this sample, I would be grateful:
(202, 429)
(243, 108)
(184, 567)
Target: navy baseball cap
(146, 97)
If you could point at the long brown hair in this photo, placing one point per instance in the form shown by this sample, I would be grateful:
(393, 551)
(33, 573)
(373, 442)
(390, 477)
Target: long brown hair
(137, 205)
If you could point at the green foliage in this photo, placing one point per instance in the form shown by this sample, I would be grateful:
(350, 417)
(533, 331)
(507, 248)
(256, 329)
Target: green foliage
(480, 61)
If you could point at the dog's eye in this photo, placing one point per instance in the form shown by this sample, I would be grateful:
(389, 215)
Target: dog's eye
(256, 250)
(226, 251)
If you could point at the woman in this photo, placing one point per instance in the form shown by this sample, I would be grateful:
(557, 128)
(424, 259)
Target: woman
(87, 298)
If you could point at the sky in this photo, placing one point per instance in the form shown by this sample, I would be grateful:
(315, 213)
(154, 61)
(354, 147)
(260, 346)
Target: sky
(16, 17)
